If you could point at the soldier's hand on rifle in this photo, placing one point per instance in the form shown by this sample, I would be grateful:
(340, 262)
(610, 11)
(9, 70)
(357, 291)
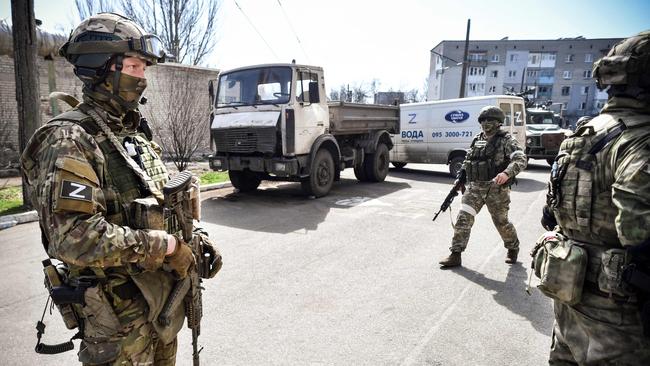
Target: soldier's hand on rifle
(461, 186)
(501, 178)
(181, 259)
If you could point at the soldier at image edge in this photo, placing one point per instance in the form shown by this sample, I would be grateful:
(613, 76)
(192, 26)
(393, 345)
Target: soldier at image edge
(492, 162)
(96, 180)
(598, 217)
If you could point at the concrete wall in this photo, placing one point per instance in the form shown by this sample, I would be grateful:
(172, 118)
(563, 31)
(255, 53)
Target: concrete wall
(56, 74)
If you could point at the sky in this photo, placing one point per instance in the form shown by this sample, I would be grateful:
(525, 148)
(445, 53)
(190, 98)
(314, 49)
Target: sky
(356, 41)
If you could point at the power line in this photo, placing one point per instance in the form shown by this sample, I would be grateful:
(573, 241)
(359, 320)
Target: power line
(258, 32)
(294, 31)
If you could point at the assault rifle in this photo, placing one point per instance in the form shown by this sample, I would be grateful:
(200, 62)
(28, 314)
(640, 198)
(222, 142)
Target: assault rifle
(450, 197)
(181, 207)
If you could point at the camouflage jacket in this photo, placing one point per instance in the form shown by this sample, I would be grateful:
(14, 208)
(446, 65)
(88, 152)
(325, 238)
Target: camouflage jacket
(502, 151)
(605, 198)
(66, 172)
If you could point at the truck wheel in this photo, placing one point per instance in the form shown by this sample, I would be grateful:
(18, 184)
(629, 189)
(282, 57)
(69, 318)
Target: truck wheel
(455, 164)
(322, 174)
(244, 180)
(398, 164)
(360, 173)
(376, 165)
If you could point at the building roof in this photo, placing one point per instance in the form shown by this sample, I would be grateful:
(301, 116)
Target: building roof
(506, 40)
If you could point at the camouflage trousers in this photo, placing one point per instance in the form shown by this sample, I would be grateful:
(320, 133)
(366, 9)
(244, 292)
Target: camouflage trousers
(141, 347)
(497, 200)
(598, 331)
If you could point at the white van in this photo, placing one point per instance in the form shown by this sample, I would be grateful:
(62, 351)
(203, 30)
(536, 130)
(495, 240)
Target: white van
(440, 132)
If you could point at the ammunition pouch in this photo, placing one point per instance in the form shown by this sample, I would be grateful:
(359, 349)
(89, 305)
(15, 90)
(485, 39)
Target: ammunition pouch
(561, 266)
(147, 213)
(102, 328)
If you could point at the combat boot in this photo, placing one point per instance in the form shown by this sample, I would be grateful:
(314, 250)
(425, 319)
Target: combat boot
(511, 257)
(453, 260)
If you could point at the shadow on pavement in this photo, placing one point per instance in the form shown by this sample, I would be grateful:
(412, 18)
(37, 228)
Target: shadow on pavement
(528, 185)
(511, 294)
(283, 208)
(422, 175)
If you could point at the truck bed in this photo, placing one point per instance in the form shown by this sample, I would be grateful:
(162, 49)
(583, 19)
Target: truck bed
(356, 118)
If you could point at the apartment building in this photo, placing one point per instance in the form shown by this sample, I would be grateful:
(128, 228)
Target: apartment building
(558, 70)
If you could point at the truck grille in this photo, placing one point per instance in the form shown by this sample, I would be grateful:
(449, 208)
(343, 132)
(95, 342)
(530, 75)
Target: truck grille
(535, 141)
(245, 140)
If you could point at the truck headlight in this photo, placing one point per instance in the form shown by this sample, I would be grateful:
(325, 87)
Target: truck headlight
(529, 141)
(280, 167)
(217, 163)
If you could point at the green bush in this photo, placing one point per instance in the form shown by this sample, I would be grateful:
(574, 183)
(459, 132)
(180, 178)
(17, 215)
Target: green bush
(214, 177)
(11, 200)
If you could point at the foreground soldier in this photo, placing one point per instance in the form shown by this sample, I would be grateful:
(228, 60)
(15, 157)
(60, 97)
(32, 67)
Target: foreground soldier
(87, 168)
(599, 196)
(493, 161)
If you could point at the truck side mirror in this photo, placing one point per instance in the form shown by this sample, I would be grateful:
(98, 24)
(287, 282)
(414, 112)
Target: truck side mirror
(313, 92)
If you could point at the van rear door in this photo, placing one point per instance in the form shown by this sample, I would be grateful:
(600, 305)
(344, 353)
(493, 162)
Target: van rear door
(515, 119)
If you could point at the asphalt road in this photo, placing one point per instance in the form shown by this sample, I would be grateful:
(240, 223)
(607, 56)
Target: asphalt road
(347, 279)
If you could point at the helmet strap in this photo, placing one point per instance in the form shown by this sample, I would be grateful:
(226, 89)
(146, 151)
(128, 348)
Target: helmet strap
(116, 75)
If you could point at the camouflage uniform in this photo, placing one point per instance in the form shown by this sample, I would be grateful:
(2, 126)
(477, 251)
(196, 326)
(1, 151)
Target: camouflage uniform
(82, 187)
(600, 197)
(505, 153)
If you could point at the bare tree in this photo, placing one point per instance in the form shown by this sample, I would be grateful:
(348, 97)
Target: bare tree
(334, 95)
(86, 8)
(186, 27)
(8, 148)
(359, 93)
(178, 116)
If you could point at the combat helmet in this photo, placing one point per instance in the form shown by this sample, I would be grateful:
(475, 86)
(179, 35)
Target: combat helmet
(626, 65)
(105, 39)
(491, 112)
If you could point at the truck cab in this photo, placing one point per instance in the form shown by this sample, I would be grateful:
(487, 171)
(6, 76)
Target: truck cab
(543, 134)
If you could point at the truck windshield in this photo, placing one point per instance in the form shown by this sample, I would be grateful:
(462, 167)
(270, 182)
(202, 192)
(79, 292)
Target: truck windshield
(270, 85)
(539, 119)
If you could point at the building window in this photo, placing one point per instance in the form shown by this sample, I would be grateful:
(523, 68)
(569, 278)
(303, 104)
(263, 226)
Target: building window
(570, 57)
(600, 104)
(477, 70)
(585, 90)
(531, 73)
(566, 90)
(494, 73)
(586, 74)
(477, 87)
(477, 56)
(543, 89)
(532, 59)
(512, 73)
(514, 57)
(493, 89)
(566, 74)
(582, 106)
(589, 57)
(495, 58)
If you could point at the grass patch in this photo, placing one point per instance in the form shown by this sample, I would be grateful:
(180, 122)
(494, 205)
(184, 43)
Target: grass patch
(214, 177)
(11, 200)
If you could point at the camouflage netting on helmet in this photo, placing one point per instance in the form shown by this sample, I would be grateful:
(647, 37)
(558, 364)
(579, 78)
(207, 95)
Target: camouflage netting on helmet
(627, 64)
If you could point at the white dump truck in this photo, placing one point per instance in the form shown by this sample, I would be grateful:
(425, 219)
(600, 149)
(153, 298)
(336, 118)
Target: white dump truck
(440, 132)
(273, 122)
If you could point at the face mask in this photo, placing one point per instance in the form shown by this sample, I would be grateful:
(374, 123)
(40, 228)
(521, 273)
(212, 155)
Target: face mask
(490, 127)
(130, 88)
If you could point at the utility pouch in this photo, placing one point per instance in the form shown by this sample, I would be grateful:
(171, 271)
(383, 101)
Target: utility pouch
(561, 265)
(610, 276)
(147, 214)
(100, 320)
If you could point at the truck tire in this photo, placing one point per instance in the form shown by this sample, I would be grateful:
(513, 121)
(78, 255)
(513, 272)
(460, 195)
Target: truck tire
(244, 180)
(398, 164)
(376, 164)
(320, 180)
(360, 173)
(455, 164)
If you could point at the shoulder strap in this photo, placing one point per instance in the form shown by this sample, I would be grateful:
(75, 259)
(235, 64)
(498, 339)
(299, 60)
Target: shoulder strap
(144, 178)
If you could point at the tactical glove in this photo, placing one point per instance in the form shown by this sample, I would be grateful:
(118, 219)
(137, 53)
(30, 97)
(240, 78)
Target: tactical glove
(548, 219)
(181, 260)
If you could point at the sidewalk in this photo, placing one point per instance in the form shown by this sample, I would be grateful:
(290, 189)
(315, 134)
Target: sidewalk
(8, 221)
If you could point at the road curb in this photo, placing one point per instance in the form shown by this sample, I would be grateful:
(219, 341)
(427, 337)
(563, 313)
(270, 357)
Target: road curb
(8, 221)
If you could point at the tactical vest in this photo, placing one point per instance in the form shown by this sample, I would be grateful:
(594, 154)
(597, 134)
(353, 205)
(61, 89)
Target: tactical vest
(122, 186)
(581, 180)
(482, 165)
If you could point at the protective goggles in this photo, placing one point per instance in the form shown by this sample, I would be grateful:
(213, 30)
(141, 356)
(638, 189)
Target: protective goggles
(486, 119)
(149, 46)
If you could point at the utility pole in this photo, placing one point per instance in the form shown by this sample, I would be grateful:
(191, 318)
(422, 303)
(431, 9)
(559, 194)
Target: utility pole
(26, 74)
(463, 75)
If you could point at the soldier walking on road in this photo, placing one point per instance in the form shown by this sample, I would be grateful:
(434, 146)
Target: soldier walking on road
(599, 198)
(492, 162)
(93, 177)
